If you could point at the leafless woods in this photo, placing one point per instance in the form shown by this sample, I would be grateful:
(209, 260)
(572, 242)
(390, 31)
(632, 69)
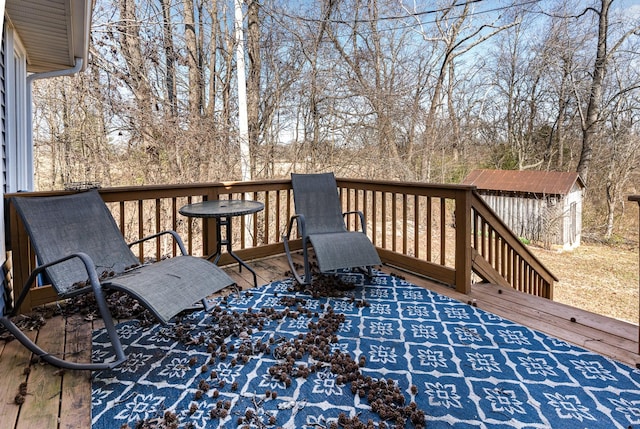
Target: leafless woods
(389, 89)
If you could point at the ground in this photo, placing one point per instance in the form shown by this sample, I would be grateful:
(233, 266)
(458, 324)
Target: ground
(596, 277)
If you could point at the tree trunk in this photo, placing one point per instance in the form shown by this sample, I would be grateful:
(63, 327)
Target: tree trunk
(191, 45)
(253, 81)
(591, 122)
(611, 193)
(456, 140)
(213, 60)
(170, 58)
(137, 78)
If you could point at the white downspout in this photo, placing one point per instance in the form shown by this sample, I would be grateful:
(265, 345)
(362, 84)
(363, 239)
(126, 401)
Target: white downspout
(35, 76)
(3, 255)
(243, 127)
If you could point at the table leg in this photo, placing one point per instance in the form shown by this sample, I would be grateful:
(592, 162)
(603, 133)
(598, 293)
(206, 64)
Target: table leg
(226, 222)
(216, 255)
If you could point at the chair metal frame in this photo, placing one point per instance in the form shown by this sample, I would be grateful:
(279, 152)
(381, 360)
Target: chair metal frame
(219, 280)
(300, 222)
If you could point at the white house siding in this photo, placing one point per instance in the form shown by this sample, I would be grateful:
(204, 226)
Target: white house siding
(15, 169)
(4, 294)
(18, 177)
(3, 115)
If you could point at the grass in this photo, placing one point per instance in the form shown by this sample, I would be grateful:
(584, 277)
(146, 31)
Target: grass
(598, 278)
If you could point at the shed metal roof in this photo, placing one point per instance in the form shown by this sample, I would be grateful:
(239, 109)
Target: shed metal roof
(537, 182)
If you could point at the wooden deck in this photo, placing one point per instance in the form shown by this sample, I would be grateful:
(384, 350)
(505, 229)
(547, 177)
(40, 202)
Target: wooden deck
(57, 399)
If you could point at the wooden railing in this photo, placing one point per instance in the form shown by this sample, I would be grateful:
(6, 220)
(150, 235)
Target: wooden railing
(444, 232)
(500, 257)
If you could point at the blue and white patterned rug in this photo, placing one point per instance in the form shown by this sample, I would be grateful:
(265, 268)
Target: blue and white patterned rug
(462, 366)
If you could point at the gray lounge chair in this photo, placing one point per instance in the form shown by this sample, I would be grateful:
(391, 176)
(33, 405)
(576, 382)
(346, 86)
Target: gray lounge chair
(320, 220)
(80, 248)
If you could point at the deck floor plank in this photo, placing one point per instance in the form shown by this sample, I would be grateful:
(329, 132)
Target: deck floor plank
(41, 406)
(75, 405)
(244, 278)
(13, 360)
(595, 321)
(270, 272)
(548, 317)
(281, 266)
(562, 316)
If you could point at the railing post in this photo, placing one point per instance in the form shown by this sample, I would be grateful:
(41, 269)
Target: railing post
(463, 240)
(21, 258)
(636, 198)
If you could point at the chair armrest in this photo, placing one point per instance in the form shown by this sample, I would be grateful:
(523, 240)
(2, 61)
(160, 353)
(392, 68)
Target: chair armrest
(174, 234)
(84, 258)
(299, 220)
(360, 215)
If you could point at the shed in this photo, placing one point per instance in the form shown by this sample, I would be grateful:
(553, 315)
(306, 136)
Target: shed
(541, 206)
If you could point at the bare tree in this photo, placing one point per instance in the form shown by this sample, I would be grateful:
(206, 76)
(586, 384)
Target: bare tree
(592, 118)
(371, 88)
(253, 82)
(622, 159)
(192, 56)
(457, 38)
(170, 57)
(384, 71)
(560, 55)
(136, 69)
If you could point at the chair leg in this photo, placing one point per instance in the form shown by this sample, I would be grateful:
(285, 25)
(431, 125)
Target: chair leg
(107, 319)
(104, 312)
(307, 267)
(294, 272)
(367, 271)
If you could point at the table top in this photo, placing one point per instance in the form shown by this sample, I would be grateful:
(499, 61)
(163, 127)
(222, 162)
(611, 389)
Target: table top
(221, 208)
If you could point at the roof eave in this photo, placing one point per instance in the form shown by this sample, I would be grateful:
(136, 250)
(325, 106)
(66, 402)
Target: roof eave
(54, 33)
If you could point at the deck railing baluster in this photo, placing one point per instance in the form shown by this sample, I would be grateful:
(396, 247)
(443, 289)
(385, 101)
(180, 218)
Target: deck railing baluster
(443, 231)
(190, 230)
(404, 225)
(174, 224)
(374, 218)
(158, 208)
(141, 229)
(429, 231)
(416, 226)
(384, 220)
(394, 222)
